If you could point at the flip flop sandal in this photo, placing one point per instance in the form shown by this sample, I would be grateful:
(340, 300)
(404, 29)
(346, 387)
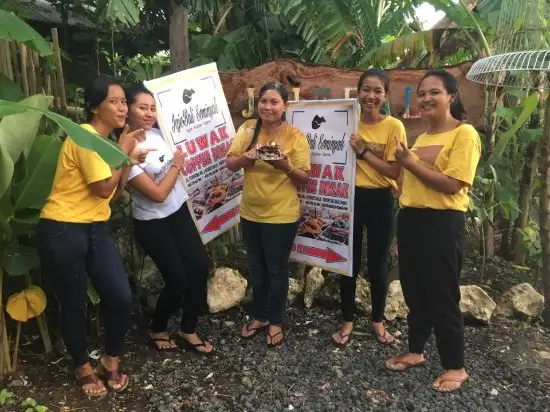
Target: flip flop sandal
(408, 365)
(183, 343)
(113, 376)
(255, 330)
(90, 380)
(342, 337)
(459, 381)
(383, 339)
(153, 343)
(271, 337)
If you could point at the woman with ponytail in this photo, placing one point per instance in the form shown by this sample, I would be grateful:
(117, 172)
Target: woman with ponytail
(438, 171)
(270, 207)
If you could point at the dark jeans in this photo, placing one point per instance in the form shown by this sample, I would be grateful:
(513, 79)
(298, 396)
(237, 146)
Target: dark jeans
(174, 244)
(373, 210)
(431, 246)
(268, 246)
(71, 251)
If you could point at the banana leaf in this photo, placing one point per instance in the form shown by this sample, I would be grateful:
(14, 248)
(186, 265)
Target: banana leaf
(13, 28)
(109, 151)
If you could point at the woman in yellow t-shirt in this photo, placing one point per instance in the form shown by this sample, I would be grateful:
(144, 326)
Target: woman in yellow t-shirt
(270, 207)
(74, 242)
(439, 170)
(375, 176)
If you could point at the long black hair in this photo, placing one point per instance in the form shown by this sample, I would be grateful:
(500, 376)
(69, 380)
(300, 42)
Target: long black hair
(451, 86)
(95, 93)
(134, 91)
(283, 91)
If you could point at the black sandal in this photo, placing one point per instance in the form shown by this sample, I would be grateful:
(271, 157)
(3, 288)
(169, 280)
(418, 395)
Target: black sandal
(153, 343)
(185, 344)
(255, 330)
(273, 345)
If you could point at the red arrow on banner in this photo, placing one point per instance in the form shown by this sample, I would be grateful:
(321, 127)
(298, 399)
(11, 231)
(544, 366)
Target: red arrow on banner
(218, 221)
(329, 255)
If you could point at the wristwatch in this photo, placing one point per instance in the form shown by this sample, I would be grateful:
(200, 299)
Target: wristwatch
(360, 155)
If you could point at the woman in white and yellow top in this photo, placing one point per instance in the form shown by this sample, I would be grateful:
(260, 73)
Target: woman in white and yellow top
(376, 171)
(270, 207)
(439, 170)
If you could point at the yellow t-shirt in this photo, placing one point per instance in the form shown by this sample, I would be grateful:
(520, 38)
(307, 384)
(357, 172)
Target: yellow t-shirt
(71, 199)
(380, 139)
(454, 153)
(269, 196)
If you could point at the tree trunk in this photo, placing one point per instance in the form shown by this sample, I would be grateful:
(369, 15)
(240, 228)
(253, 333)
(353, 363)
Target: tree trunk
(179, 38)
(524, 202)
(488, 240)
(544, 213)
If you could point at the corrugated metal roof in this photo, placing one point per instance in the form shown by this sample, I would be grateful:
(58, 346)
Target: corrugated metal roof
(42, 11)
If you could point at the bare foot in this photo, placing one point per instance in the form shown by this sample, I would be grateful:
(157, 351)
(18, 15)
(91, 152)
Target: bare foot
(88, 381)
(342, 336)
(109, 367)
(382, 335)
(275, 335)
(162, 340)
(404, 362)
(451, 380)
(194, 339)
(251, 328)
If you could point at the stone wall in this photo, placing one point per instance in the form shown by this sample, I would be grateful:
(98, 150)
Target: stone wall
(312, 77)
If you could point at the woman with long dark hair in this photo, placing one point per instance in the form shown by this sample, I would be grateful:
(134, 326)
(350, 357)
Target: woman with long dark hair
(374, 145)
(439, 170)
(164, 228)
(74, 242)
(270, 207)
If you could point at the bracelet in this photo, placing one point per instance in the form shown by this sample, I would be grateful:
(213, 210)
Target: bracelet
(290, 171)
(177, 167)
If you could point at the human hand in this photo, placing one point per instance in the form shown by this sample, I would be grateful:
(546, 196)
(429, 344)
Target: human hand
(248, 160)
(179, 159)
(357, 144)
(127, 141)
(282, 164)
(138, 154)
(402, 153)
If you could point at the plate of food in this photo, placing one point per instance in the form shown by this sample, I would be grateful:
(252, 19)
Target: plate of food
(272, 151)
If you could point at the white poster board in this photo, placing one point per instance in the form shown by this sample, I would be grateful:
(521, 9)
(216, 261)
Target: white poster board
(325, 232)
(194, 118)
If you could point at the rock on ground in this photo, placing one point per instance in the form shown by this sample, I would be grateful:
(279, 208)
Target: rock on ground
(314, 283)
(395, 302)
(295, 288)
(362, 296)
(226, 289)
(476, 304)
(521, 300)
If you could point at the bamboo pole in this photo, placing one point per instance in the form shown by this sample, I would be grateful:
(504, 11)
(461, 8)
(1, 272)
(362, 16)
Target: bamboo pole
(48, 84)
(16, 70)
(31, 74)
(8, 59)
(3, 58)
(38, 72)
(59, 66)
(56, 102)
(24, 71)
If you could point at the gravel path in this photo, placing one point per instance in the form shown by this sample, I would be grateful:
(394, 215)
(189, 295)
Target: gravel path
(506, 362)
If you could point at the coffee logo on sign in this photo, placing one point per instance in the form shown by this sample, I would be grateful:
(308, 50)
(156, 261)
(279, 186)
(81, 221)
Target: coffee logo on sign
(317, 121)
(186, 97)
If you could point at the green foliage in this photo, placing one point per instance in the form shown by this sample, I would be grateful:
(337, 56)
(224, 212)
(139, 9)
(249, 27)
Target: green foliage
(19, 260)
(9, 90)
(31, 405)
(6, 397)
(123, 11)
(13, 28)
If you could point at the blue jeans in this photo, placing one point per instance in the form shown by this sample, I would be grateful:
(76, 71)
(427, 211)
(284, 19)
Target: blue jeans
(268, 246)
(69, 252)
